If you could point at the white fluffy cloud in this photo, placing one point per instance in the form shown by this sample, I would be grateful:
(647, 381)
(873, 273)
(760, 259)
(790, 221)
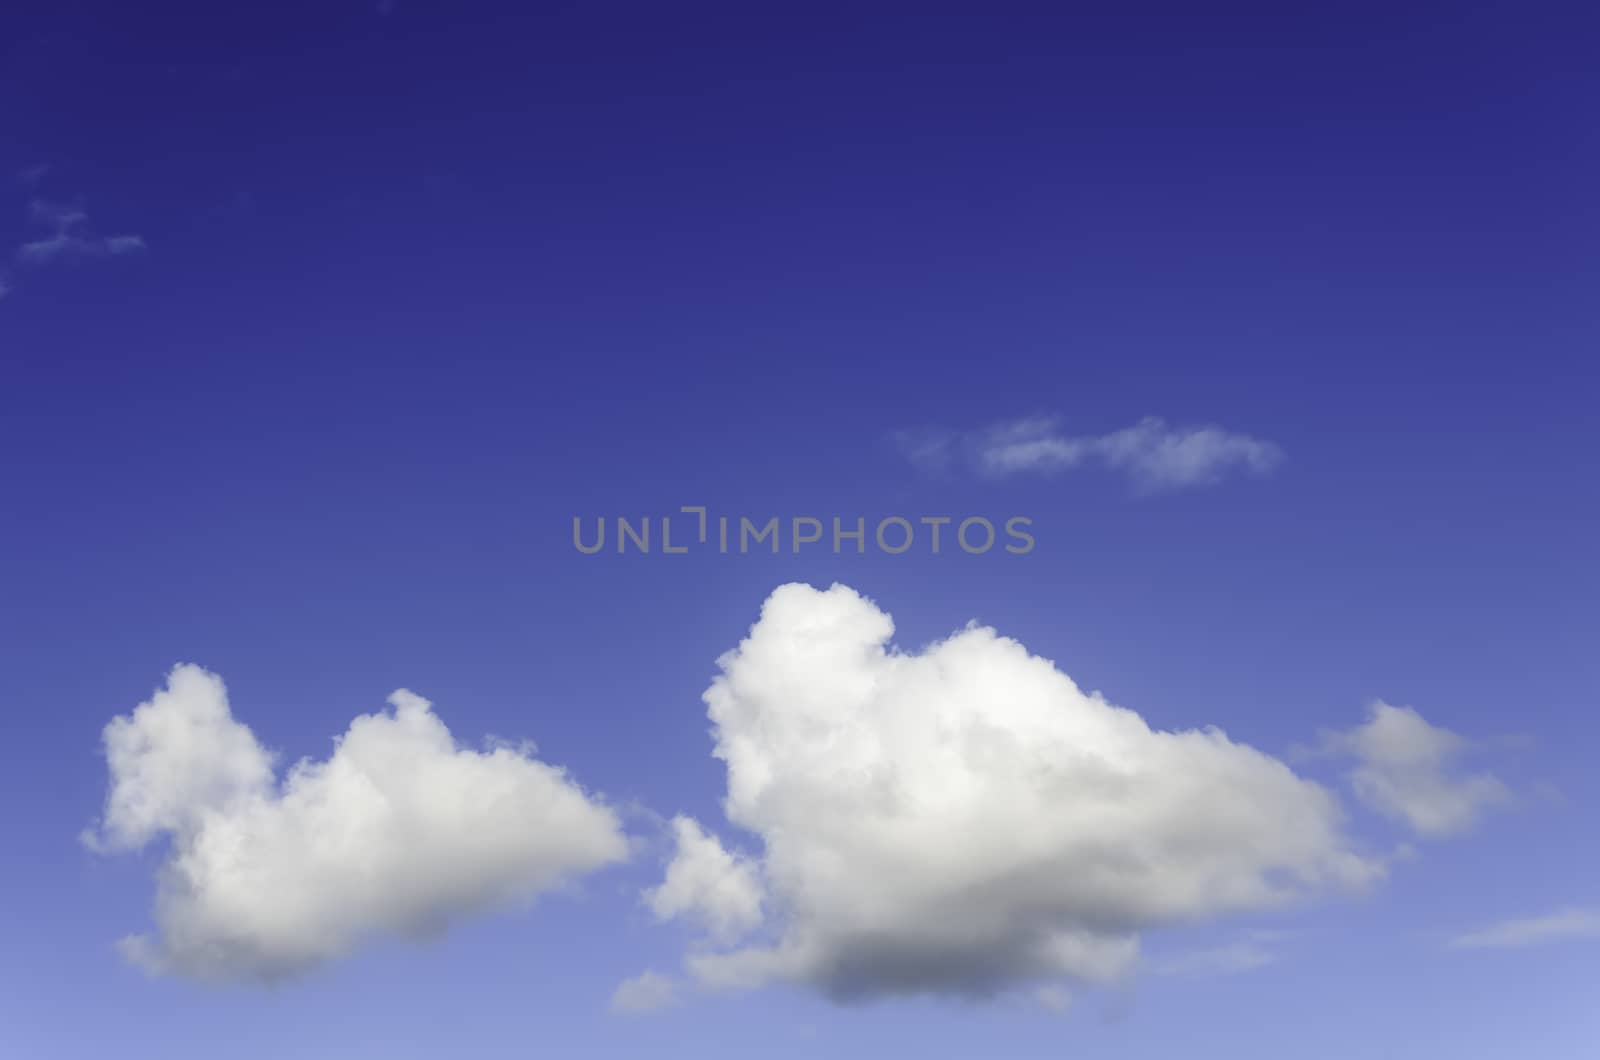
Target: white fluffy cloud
(1409, 770)
(966, 819)
(707, 883)
(398, 831)
(1153, 454)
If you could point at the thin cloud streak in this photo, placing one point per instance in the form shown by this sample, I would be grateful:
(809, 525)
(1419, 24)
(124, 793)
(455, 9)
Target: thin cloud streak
(1563, 925)
(1154, 455)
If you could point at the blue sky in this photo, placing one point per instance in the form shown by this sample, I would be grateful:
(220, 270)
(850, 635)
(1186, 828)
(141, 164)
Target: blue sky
(335, 317)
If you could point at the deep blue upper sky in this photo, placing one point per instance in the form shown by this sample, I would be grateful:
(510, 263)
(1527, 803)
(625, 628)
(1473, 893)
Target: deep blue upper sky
(420, 284)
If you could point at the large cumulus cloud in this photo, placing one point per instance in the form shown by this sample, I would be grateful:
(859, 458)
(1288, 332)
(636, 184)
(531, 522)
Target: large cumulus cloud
(965, 819)
(398, 831)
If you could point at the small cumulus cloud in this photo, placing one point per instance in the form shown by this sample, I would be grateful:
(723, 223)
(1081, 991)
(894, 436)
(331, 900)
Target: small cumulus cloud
(706, 883)
(398, 831)
(1153, 455)
(1410, 770)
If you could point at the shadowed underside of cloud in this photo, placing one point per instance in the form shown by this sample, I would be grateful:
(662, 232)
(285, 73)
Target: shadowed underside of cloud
(965, 819)
(399, 831)
(1154, 455)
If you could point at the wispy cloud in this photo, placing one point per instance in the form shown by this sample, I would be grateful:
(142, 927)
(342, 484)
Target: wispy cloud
(1409, 769)
(1563, 925)
(1153, 454)
(1054, 998)
(1256, 950)
(646, 992)
(68, 234)
(71, 238)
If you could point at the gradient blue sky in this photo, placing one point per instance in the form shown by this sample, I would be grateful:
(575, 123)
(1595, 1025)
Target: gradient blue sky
(420, 284)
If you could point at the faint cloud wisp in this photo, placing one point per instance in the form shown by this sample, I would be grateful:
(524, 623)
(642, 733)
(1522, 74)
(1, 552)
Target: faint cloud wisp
(69, 235)
(72, 237)
(1560, 926)
(1154, 455)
